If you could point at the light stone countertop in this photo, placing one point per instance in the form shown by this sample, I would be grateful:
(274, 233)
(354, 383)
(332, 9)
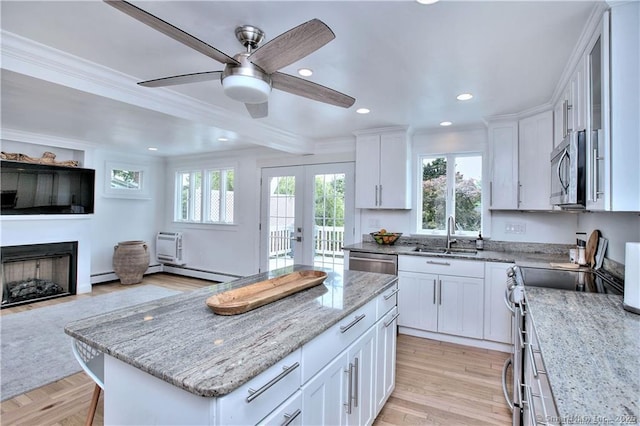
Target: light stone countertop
(520, 258)
(180, 340)
(591, 351)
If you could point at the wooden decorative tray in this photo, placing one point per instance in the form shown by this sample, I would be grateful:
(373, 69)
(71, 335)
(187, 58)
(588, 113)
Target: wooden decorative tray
(244, 299)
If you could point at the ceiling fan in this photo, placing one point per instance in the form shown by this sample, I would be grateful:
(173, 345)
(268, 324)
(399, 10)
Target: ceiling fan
(249, 76)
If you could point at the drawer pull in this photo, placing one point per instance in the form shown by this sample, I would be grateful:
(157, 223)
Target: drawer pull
(357, 319)
(433, 262)
(388, 323)
(390, 295)
(253, 394)
(291, 417)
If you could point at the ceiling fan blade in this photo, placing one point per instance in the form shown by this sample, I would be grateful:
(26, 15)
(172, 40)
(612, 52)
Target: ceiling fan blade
(182, 79)
(308, 89)
(258, 110)
(292, 45)
(171, 31)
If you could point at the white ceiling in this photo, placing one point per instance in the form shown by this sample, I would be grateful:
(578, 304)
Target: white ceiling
(404, 61)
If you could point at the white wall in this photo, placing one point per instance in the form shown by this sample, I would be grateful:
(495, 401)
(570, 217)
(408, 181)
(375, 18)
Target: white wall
(125, 219)
(618, 228)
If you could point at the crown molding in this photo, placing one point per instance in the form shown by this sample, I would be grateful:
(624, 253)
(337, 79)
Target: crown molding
(25, 56)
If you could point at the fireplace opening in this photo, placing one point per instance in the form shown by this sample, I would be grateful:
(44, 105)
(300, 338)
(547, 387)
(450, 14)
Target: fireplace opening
(37, 272)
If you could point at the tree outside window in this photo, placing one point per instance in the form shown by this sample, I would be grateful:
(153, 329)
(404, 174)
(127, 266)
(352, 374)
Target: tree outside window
(451, 185)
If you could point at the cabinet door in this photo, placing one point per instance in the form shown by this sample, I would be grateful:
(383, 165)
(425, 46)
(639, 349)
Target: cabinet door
(579, 97)
(417, 301)
(534, 147)
(385, 358)
(393, 190)
(367, 171)
(497, 318)
(361, 370)
(459, 310)
(503, 144)
(324, 396)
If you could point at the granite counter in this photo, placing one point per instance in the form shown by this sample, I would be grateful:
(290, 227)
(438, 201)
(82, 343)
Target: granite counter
(521, 258)
(591, 350)
(181, 341)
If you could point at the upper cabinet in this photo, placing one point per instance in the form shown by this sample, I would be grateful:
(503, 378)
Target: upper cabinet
(613, 108)
(503, 148)
(520, 176)
(383, 170)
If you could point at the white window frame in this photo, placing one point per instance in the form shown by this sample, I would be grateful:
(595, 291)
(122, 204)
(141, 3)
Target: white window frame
(450, 191)
(205, 201)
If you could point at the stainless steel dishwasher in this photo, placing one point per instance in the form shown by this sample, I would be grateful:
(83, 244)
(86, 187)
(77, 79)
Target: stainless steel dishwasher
(373, 262)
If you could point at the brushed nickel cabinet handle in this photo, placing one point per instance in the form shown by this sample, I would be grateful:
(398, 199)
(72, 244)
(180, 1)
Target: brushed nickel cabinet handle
(390, 295)
(357, 319)
(388, 323)
(433, 262)
(291, 417)
(253, 394)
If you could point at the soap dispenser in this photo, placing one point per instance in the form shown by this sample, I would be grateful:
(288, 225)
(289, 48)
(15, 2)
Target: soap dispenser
(479, 242)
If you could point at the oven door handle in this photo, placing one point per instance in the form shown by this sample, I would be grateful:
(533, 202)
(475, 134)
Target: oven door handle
(507, 299)
(505, 368)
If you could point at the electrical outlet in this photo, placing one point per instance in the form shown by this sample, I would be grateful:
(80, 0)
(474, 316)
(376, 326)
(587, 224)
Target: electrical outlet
(515, 228)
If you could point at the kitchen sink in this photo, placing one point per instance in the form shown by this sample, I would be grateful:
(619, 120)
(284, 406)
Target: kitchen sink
(442, 250)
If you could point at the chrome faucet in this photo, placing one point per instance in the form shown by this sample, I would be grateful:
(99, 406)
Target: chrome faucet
(451, 230)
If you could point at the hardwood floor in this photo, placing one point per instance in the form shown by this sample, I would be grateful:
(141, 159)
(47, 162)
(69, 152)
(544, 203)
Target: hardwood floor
(437, 383)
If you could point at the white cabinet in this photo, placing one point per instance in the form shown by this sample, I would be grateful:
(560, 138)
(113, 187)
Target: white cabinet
(613, 128)
(386, 343)
(289, 413)
(349, 370)
(535, 143)
(323, 396)
(497, 318)
(503, 148)
(360, 380)
(383, 170)
(433, 298)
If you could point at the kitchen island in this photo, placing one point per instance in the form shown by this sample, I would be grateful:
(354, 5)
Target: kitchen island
(174, 361)
(590, 348)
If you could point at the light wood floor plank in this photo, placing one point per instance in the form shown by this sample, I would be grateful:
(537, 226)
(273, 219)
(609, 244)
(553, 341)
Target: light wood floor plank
(437, 383)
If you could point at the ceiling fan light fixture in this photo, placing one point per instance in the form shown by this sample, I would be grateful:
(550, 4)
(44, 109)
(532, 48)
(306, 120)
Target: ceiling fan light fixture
(246, 89)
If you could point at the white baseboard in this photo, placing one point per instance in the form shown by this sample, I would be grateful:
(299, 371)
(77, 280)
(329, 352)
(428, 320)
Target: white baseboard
(467, 341)
(111, 276)
(199, 273)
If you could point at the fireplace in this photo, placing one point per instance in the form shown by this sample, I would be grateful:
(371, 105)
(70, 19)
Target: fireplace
(37, 272)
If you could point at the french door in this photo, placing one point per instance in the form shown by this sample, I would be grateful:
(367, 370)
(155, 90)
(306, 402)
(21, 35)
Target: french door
(307, 215)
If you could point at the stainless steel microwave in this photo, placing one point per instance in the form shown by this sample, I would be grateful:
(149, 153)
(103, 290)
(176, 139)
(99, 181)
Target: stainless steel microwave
(568, 172)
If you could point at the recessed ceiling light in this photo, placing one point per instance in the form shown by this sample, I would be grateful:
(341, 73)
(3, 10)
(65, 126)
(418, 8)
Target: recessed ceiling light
(223, 139)
(305, 72)
(363, 111)
(427, 1)
(464, 96)
(152, 149)
(446, 123)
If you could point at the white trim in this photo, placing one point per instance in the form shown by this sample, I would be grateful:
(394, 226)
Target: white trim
(476, 343)
(37, 60)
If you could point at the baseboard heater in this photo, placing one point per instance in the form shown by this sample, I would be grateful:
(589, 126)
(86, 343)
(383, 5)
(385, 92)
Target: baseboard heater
(169, 248)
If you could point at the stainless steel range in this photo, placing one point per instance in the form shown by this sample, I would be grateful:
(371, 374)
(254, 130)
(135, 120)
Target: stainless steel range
(530, 398)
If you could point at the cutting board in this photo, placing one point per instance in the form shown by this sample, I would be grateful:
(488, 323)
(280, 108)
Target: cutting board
(244, 299)
(592, 246)
(565, 265)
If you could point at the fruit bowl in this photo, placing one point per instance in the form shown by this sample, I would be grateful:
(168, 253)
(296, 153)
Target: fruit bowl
(386, 238)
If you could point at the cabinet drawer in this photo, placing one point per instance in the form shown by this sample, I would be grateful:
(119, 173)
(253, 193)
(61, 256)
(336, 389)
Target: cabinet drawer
(290, 412)
(441, 266)
(387, 301)
(269, 390)
(321, 350)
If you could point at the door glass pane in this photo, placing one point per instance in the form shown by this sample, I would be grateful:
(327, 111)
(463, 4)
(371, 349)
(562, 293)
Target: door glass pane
(282, 200)
(468, 194)
(328, 236)
(434, 189)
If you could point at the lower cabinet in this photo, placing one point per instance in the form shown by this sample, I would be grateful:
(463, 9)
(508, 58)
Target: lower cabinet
(386, 343)
(497, 317)
(441, 303)
(352, 388)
